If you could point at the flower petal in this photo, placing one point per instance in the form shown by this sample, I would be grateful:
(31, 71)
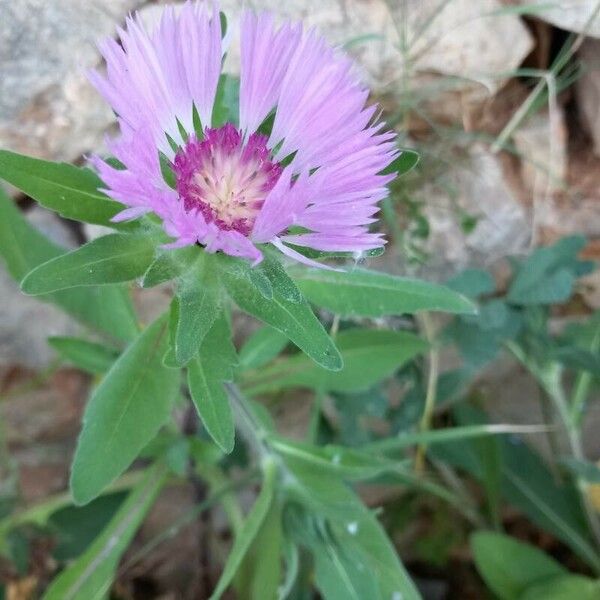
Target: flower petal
(341, 242)
(282, 207)
(154, 79)
(321, 104)
(265, 57)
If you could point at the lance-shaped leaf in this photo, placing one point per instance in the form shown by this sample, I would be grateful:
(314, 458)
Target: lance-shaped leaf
(199, 305)
(250, 529)
(281, 282)
(113, 258)
(169, 264)
(88, 356)
(23, 247)
(124, 413)
(71, 191)
(508, 566)
(206, 373)
(372, 294)
(92, 574)
(261, 347)
(295, 319)
(369, 356)
(350, 528)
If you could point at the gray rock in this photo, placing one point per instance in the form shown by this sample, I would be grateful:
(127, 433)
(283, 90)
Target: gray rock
(26, 322)
(572, 15)
(542, 145)
(47, 108)
(478, 189)
(52, 226)
(588, 90)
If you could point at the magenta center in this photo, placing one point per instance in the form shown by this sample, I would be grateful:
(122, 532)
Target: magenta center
(224, 178)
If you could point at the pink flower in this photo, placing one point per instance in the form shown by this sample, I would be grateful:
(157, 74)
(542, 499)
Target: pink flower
(317, 171)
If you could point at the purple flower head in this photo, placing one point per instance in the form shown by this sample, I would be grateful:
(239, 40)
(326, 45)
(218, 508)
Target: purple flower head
(314, 180)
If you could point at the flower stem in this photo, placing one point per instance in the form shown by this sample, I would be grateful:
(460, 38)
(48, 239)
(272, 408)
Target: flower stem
(434, 366)
(582, 385)
(248, 425)
(551, 381)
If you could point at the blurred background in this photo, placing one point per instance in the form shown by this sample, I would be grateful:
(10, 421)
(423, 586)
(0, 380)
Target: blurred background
(501, 98)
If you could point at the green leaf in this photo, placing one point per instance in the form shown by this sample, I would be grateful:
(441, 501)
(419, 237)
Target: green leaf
(556, 287)
(344, 462)
(341, 574)
(588, 471)
(528, 485)
(320, 491)
(261, 282)
(260, 574)
(381, 557)
(226, 106)
(91, 575)
(578, 359)
(565, 587)
(531, 487)
(88, 356)
(472, 283)
(74, 528)
(294, 319)
(261, 347)
(206, 373)
(372, 294)
(369, 356)
(355, 528)
(107, 308)
(249, 531)
(114, 258)
(489, 455)
(199, 305)
(168, 265)
(124, 413)
(406, 162)
(508, 567)
(281, 282)
(68, 190)
(548, 275)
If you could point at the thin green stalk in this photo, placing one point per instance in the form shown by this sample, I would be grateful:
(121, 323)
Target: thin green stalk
(217, 482)
(582, 386)
(548, 80)
(188, 517)
(247, 423)
(556, 391)
(317, 405)
(550, 378)
(434, 366)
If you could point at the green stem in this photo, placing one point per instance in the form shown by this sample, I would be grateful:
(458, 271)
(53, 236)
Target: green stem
(582, 386)
(553, 386)
(426, 418)
(218, 484)
(550, 378)
(248, 425)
